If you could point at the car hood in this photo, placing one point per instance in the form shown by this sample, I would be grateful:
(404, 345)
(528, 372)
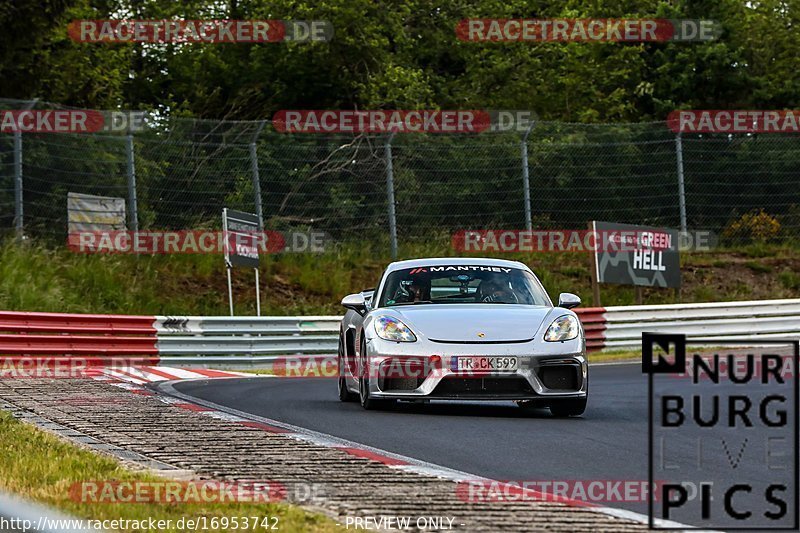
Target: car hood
(462, 323)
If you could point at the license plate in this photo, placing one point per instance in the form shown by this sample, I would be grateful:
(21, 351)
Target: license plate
(484, 364)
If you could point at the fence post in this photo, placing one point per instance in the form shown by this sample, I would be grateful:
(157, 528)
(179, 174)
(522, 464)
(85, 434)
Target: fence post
(526, 185)
(133, 207)
(256, 185)
(18, 211)
(257, 176)
(681, 190)
(390, 196)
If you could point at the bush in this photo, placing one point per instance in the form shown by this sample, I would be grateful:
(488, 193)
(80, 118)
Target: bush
(754, 226)
(790, 280)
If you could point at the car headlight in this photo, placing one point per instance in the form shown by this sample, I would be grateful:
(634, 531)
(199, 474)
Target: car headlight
(563, 328)
(391, 329)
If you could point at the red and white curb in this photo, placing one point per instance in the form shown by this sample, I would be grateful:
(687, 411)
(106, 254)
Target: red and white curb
(391, 460)
(141, 375)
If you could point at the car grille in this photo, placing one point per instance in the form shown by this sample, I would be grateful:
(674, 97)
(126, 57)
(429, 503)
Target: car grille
(476, 385)
(517, 341)
(399, 384)
(403, 374)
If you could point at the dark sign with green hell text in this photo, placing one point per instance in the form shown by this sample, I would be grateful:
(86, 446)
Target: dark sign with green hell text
(637, 255)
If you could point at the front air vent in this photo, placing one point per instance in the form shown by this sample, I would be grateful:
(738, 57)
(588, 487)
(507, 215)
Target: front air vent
(560, 377)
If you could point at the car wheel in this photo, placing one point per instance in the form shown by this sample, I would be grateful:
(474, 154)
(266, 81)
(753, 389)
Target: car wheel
(568, 407)
(344, 394)
(363, 394)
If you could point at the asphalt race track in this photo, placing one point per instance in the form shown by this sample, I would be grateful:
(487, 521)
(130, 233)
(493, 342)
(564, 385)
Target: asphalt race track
(500, 440)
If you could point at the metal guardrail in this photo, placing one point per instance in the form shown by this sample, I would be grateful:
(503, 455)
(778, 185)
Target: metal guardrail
(26, 322)
(606, 328)
(749, 320)
(251, 336)
(254, 340)
(260, 336)
(247, 345)
(245, 325)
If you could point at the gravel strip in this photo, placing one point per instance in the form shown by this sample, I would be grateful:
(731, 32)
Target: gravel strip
(150, 431)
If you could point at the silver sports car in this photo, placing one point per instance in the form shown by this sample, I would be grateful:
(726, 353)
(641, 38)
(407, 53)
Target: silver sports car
(462, 329)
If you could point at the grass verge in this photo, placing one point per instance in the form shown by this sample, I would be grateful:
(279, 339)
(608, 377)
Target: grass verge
(615, 356)
(35, 277)
(41, 467)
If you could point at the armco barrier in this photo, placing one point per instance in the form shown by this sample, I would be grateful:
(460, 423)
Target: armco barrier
(594, 325)
(21, 322)
(246, 325)
(190, 338)
(254, 336)
(752, 320)
(71, 334)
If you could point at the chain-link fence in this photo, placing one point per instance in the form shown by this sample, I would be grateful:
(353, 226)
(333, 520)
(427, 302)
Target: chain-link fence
(180, 173)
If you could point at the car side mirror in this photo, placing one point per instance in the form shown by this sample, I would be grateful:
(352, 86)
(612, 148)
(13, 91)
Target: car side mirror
(356, 302)
(567, 300)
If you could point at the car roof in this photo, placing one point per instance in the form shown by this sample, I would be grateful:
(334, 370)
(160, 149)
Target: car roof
(447, 261)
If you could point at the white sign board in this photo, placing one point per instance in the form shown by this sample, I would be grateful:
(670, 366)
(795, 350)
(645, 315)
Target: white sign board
(86, 212)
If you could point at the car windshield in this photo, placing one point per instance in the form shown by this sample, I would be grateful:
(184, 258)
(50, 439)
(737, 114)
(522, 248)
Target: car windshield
(462, 284)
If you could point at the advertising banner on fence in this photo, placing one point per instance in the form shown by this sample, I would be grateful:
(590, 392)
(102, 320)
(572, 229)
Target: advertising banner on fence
(647, 256)
(86, 213)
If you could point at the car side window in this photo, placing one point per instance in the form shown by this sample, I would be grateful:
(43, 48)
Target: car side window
(383, 286)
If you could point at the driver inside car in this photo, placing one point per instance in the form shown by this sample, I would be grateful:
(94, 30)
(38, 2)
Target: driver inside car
(409, 291)
(492, 291)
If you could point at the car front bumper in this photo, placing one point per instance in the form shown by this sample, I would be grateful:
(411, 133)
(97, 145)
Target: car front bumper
(547, 371)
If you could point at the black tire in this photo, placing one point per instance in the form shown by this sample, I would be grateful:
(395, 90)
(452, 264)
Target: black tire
(344, 394)
(568, 407)
(363, 394)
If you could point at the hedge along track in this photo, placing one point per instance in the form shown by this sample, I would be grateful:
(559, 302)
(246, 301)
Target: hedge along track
(182, 439)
